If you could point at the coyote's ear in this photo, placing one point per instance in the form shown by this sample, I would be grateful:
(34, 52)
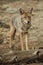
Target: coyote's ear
(21, 11)
(31, 10)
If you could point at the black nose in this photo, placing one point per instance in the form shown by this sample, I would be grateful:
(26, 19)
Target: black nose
(28, 21)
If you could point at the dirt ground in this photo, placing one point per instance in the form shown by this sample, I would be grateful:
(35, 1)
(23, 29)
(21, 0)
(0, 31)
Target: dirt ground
(9, 8)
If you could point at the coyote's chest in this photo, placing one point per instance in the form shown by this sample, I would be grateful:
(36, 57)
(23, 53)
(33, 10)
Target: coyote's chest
(20, 25)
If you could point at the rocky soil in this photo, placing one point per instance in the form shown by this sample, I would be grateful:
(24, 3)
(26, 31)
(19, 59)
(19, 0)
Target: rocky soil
(9, 8)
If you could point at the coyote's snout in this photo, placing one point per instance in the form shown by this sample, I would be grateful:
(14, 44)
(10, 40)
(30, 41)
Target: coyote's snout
(22, 23)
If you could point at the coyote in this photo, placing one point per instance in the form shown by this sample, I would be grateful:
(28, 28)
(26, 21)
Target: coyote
(22, 23)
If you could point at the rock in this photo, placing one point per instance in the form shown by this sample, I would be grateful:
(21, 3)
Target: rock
(1, 39)
(4, 7)
(11, 10)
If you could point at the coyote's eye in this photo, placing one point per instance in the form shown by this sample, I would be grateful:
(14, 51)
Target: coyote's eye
(28, 16)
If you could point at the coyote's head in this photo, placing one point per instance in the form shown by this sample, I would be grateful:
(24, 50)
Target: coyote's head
(26, 15)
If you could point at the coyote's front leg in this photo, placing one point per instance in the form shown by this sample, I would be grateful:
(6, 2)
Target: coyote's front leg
(27, 41)
(21, 41)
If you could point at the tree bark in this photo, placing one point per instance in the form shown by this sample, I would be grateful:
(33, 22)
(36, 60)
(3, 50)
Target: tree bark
(19, 56)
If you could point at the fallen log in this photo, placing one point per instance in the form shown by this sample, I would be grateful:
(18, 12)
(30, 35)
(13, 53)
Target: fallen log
(19, 56)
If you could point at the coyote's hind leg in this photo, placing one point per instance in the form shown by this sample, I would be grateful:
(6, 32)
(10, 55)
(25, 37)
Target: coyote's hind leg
(10, 41)
(12, 34)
